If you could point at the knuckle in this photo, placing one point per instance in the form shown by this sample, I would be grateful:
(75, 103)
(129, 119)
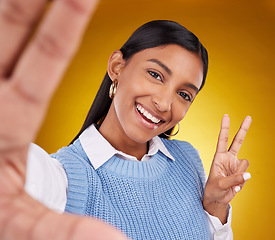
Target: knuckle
(225, 127)
(243, 164)
(246, 162)
(15, 12)
(76, 6)
(234, 152)
(51, 45)
(220, 185)
(223, 138)
(239, 140)
(25, 94)
(239, 178)
(244, 128)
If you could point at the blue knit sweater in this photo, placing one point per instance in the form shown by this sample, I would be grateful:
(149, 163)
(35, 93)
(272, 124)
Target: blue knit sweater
(155, 199)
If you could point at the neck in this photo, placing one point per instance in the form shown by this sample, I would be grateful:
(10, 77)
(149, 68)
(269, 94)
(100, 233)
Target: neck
(121, 142)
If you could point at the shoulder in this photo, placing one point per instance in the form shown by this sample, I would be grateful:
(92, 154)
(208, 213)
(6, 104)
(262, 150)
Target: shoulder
(46, 179)
(181, 146)
(72, 158)
(186, 155)
(38, 159)
(73, 150)
(36, 151)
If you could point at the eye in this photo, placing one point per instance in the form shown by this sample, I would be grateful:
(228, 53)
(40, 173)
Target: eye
(155, 75)
(185, 96)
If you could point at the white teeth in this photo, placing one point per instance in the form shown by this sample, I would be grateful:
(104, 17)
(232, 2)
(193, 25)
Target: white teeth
(147, 115)
(155, 120)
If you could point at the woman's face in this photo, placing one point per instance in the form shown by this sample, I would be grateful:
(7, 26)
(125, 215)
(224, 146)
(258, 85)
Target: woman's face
(155, 89)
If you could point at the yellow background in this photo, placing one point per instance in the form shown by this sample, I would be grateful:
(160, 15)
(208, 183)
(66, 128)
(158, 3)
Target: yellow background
(240, 38)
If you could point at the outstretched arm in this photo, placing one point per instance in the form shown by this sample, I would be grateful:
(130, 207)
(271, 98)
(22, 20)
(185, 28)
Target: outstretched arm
(28, 77)
(228, 173)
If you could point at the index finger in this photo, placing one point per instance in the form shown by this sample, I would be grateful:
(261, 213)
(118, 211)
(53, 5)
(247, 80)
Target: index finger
(17, 18)
(223, 136)
(239, 137)
(49, 53)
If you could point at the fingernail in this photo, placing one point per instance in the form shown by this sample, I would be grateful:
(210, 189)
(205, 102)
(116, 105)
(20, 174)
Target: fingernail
(226, 115)
(246, 176)
(237, 189)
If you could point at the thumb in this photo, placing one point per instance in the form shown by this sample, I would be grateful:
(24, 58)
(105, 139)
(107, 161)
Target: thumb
(234, 180)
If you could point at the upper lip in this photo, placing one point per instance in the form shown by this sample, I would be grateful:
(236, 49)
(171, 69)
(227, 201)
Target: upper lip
(152, 112)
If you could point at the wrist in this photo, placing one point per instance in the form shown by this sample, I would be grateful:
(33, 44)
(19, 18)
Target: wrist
(217, 209)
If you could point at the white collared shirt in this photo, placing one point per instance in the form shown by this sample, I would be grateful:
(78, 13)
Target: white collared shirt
(46, 180)
(99, 150)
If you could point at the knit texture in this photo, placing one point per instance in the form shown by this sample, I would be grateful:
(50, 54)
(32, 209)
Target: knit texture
(155, 199)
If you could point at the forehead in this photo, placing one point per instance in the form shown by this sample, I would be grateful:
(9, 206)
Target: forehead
(182, 63)
(171, 52)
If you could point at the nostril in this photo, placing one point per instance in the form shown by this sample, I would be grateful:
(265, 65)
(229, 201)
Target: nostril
(156, 104)
(162, 105)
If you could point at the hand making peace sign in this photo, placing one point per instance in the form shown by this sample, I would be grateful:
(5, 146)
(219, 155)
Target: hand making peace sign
(28, 78)
(227, 174)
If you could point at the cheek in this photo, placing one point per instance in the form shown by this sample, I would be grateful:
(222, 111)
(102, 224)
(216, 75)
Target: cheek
(124, 102)
(180, 111)
(134, 81)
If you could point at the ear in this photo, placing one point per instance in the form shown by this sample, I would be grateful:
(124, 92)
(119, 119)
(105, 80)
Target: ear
(116, 64)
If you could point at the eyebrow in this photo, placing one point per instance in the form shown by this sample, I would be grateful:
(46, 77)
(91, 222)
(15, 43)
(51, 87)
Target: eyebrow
(167, 69)
(190, 85)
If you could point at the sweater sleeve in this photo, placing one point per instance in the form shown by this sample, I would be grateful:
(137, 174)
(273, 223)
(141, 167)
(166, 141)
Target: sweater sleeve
(46, 180)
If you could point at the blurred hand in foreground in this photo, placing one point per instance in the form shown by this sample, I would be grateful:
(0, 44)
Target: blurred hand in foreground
(29, 76)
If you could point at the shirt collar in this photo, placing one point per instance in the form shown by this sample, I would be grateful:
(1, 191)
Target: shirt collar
(99, 150)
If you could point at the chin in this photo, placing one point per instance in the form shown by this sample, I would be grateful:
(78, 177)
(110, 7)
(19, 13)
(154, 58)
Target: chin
(140, 136)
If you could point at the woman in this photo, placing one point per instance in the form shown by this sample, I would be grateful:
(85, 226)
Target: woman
(117, 168)
(28, 79)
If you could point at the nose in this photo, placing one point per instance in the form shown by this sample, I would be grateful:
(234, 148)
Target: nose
(163, 102)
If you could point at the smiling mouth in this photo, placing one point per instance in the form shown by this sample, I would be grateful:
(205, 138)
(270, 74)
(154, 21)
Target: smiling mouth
(148, 116)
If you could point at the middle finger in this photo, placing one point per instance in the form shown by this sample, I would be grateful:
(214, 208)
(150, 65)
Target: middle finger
(239, 137)
(17, 19)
